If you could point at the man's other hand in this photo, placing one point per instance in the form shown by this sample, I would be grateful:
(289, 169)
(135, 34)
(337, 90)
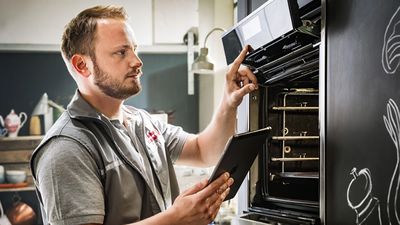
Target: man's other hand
(200, 204)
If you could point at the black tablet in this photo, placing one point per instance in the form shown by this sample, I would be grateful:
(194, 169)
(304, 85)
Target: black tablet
(238, 156)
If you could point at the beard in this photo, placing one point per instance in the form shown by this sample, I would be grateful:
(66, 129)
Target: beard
(115, 88)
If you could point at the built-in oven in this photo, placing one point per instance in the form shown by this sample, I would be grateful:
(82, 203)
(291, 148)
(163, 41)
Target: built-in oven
(284, 183)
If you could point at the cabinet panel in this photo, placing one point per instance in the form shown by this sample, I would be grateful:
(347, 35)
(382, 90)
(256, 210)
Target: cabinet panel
(172, 19)
(41, 22)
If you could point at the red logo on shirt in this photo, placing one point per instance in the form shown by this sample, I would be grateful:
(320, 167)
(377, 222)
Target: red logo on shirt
(152, 135)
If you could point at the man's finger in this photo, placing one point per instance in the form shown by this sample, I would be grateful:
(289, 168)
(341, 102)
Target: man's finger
(212, 199)
(213, 187)
(196, 188)
(238, 61)
(244, 91)
(215, 207)
(244, 71)
(226, 192)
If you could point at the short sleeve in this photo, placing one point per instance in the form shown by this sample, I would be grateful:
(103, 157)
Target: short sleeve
(175, 138)
(69, 183)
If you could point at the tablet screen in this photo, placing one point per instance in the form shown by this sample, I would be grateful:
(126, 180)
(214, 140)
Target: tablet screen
(238, 156)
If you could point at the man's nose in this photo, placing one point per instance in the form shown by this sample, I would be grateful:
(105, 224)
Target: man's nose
(135, 61)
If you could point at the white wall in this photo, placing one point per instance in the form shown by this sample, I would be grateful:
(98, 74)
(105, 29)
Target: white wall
(213, 13)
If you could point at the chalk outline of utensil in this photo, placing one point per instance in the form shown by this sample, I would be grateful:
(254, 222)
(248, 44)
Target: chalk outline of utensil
(392, 123)
(390, 48)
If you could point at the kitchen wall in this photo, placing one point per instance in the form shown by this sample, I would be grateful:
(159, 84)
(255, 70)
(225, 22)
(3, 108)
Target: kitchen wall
(25, 76)
(212, 14)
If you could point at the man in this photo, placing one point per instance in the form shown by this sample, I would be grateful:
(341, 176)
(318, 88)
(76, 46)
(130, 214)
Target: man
(103, 162)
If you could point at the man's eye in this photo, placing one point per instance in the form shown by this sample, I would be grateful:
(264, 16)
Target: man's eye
(121, 52)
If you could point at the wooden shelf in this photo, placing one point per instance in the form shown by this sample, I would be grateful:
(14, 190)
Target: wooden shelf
(29, 188)
(21, 138)
(19, 143)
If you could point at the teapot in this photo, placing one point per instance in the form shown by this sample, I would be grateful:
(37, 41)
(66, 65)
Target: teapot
(14, 122)
(3, 130)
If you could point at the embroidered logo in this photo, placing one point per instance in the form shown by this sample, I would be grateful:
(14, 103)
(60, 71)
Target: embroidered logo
(152, 135)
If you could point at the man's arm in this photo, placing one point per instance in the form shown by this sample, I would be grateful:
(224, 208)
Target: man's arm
(205, 148)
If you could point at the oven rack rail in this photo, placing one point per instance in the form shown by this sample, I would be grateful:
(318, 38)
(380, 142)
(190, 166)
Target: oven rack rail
(295, 108)
(297, 159)
(294, 138)
(301, 175)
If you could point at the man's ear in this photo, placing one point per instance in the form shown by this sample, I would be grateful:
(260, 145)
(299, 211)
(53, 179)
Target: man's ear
(80, 65)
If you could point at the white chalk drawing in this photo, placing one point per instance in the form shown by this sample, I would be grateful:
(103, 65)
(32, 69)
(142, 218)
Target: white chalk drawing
(392, 123)
(391, 46)
(361, 200)
(359, 191)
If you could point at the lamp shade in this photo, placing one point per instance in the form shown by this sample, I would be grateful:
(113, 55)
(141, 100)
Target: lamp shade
(202, 63)
(42, 106)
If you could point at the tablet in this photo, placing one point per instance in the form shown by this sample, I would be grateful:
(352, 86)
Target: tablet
(238, 156)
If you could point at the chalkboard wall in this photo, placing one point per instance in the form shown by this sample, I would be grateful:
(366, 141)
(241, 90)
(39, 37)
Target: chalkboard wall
(25, 76)
(359, 90)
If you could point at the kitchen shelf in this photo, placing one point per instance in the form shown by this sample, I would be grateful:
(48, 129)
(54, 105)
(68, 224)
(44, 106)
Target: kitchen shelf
(29, 188)
(19, 143)
(21, 138)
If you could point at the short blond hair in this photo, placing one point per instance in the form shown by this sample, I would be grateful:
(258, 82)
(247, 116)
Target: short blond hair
(80, 33)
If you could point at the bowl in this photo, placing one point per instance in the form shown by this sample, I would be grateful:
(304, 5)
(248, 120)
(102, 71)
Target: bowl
(15, 176)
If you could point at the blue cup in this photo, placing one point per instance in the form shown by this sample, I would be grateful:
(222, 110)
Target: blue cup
(3, 131)
(2, 174)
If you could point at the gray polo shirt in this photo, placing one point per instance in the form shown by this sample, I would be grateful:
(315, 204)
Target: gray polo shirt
(82, 178)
